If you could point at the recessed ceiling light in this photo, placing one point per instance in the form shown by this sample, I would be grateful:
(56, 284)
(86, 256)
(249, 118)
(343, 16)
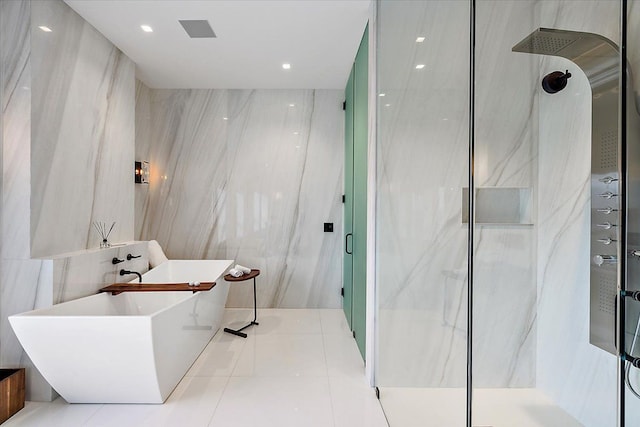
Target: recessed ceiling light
(225, 118)
(292, 105)
(419, 66)
(296, 133)
(419, 39)
(146, 28)
(45, 29)
(286, 66)
(381, 94)
(387, 105)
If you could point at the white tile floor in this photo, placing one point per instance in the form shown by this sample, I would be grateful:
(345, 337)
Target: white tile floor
(297, 368)
(442, 407)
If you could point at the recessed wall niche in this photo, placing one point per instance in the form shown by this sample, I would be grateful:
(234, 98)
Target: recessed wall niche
(499, 206)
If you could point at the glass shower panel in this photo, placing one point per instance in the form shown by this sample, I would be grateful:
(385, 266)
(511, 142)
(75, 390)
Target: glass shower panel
(532, 360)
(421, 248)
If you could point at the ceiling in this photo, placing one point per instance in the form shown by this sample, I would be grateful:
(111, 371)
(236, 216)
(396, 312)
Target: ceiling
(319, 38)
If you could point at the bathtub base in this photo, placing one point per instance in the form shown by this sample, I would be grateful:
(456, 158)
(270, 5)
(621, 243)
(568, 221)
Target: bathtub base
(134, 347)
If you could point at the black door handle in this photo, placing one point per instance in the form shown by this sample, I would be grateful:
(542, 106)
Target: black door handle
(346, 243)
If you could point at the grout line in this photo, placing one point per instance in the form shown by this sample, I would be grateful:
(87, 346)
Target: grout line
(224, 390)
(334, 415)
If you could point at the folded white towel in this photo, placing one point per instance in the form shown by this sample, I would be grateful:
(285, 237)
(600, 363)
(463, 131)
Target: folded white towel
(245, 270)
(235, 272)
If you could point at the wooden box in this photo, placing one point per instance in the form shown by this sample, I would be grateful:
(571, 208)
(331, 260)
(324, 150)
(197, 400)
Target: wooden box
(11, 392)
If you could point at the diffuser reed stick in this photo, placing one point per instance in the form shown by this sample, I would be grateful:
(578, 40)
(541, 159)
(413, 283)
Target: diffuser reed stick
(101, 228)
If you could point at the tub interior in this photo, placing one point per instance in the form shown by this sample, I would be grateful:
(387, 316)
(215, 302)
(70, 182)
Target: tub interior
(124, 304)
(178, 271)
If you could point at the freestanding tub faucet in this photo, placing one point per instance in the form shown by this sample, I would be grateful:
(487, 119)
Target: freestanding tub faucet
(123, 272)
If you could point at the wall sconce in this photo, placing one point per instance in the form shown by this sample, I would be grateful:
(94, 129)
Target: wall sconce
(141, 172)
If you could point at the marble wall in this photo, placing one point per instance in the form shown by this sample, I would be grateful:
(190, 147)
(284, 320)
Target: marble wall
(83, 133)
(249, 175)
(67, 159)
(422, 162)
(422, 170)
(585, 386)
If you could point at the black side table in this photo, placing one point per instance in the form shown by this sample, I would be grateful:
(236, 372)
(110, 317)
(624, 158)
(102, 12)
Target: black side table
(229, 278)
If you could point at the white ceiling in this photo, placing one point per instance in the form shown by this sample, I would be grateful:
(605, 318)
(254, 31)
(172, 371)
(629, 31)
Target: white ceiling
(254, 38)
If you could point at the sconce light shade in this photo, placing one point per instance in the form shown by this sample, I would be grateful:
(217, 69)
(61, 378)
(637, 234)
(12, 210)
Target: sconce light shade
(141, 172)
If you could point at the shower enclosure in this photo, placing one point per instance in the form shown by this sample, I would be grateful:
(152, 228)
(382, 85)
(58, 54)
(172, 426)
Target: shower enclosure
(509, 320)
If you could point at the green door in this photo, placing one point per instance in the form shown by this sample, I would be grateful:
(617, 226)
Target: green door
(347, 269)
(360, 145)
(355, 207)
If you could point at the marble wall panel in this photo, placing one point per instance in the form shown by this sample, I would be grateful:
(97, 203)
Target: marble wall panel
(142, 153)
(16, 128)
(26, 285)
(250, 175)
(422, 163)
(188, 172)
(505, 156)
(82, 144)
(422, 168)
(83, 273)
(288, 184)
(585, 386)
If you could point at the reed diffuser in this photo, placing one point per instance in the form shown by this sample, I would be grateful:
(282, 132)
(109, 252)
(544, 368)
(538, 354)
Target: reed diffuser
(101, 228)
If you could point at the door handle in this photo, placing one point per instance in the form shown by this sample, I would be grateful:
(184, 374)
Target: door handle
(346, 243)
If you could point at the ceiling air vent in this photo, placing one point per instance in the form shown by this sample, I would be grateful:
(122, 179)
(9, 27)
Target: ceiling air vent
(198, 29)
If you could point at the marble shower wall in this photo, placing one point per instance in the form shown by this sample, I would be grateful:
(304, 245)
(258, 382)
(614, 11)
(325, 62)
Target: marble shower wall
(82, 143)
(585, 386)
(255, 187)
(422, 163)
(422, 169)
(67, 139)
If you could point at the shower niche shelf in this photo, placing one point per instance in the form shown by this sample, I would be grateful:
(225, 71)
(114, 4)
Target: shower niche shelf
(499, 206)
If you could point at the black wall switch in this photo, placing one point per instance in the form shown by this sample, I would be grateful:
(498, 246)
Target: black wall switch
(328, 227)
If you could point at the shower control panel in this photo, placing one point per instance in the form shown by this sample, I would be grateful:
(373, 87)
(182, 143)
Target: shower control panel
(605, 219)
(604, 251)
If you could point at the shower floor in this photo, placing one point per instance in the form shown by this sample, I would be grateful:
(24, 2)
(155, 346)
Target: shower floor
(429, 407)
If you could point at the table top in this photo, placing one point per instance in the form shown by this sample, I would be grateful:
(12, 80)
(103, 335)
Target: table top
(254, 272)
(118, 288)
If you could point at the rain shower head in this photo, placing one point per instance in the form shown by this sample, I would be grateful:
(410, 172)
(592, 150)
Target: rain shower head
(596, 55)
(545, 41)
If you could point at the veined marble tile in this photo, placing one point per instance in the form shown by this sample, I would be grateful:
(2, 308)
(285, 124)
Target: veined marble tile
(26, 285)
(285, 183)
(82, 143)
(423, 162)
(142, 153)
(585, 386)
(84, 273)
(16, 128)
(188, 172)
(256, 187)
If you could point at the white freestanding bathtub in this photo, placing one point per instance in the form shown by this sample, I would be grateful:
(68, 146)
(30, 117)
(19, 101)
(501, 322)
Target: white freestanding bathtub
(130, 348)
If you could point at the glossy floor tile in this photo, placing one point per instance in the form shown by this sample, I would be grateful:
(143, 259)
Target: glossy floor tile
(296, 368)
(432, 407)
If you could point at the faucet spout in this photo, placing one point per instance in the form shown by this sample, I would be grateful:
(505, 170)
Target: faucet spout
(123, 272)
